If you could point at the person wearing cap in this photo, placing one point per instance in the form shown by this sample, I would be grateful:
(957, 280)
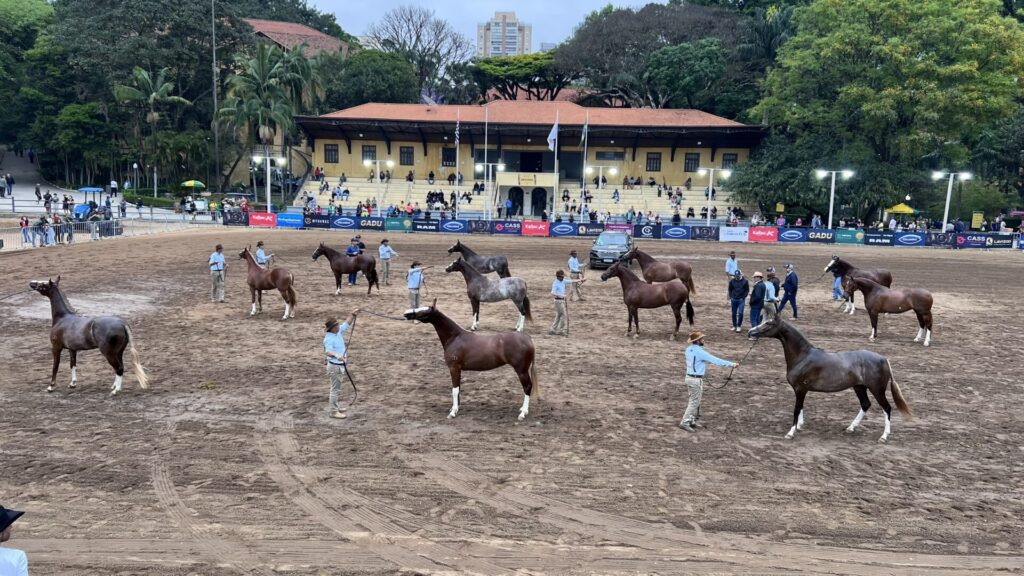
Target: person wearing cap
(738, 290)
(837, 284)
(414, 281)
(731, 265)
(575, 274)
(757, 300)
(697, 359)
(560, 327)
(261, 256)
(386, 254)
(359, 242)
(771, 293)
(790, 287)
(13, 562)
(217, 267)
(334, 350)
(353, 251)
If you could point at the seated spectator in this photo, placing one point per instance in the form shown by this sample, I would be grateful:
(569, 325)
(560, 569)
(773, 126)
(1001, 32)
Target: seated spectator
(430, 178)
(676, 219)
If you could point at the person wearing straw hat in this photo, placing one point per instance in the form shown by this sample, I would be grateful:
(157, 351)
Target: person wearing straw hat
(334, 350)
(576, 274)
(261, 256)
(697, 359)
(757, 300)
(414, 281)
(12, 562)
(386, 253)
(217, 268)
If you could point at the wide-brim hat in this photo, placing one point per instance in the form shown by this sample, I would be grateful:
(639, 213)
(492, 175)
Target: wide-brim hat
(758, 275)
(694, 336)
(260, 243)
(330, 324)
(7, 517)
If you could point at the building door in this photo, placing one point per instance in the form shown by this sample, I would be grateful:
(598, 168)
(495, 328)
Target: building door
(538, 201)
(531, 162)
(515, 194)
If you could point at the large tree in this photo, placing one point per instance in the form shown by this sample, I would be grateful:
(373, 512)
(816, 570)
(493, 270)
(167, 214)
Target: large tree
(373, 76)
(427, 42)
(533, 76)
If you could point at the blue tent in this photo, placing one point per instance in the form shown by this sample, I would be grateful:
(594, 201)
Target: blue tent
(91, 190)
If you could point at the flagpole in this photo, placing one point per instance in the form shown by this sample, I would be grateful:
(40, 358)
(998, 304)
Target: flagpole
(554, 193)
(586, 136)
(458, 119)
(487, 179)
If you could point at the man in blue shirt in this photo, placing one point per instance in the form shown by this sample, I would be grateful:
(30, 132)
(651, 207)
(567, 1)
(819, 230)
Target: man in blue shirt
(790, 286)
(217, 267)
(414, 281)
(837, 284)
(696, 363)
(560, 327)
(575, 273)
(12, 561)
(334, 350)
(386, 254)
(353, 251)
(261, 256)
(771, 299)
(731, 265)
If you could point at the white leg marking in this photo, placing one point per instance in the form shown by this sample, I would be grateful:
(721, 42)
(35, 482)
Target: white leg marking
(856, 421)
(117, 385)
(792, 431)
(526, 407)
(476, 322)
(872, 337)
(253, 313)
(285, 317)
(888, 428)
(927, 337)
(521, 323)
(800, 421)
(455, 403)
(920, 332)
(337, 291)
(74, 378)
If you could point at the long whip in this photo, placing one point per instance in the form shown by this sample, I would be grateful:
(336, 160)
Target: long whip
(351, 334)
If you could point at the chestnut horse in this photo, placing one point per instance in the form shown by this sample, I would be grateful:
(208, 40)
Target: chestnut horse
(811, 369)
(661, 270)
(465, 350)
(484, 264)
(879, 299)
(639, 294)
(77, 333)
(481, 289)
(847, 270)
(260, 279)
(342, 264)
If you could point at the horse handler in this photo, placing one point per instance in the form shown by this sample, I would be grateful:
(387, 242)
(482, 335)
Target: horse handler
(576, 273)
(696, 363)
(414, 280)
(334, 350)
(386, 253)
(217, 267)
(560, 327)
(12, 561)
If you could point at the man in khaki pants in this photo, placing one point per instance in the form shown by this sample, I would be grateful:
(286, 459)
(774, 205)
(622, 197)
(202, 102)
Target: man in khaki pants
(560, 327)
(414, 281)
(386, 254)
(696, 363)
(576, 273)
(217, 266)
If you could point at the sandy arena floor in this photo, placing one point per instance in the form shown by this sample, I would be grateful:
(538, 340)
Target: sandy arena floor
(229, 464)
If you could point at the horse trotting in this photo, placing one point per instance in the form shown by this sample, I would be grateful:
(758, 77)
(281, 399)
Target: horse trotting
(483, 264)
(879, 299)
(661, 271)
(639, 294)
(77, 333)
(847, 271)
(342, 264)
(480, 289)
(811, 369)
(260, 279)
(481, 352)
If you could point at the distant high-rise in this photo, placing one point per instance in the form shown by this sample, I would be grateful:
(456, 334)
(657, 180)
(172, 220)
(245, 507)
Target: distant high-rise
(547, 46)
(503, 35)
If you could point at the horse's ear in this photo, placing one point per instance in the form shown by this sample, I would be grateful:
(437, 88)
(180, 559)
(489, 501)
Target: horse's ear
(433, 304)
(58, 279)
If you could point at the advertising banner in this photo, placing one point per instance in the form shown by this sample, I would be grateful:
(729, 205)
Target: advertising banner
(236, 218)
(878, 238)
(792, 235)
(289, 220)
(562, 229)
(672, 232)
(844, 236)
(910, 239)
(316, 221)
(999, 241)
(455, 226)
(533, 228)
(703, 232)
(425, 225)
(479, 226)
(647, 231)
(344, 222)
(733, 234)
(398, 224)
(367, 223)
(821, 236)
(589, 229)
(262, 219)
(941, 239)
(627, 228)
(512, 227)
(763, 234)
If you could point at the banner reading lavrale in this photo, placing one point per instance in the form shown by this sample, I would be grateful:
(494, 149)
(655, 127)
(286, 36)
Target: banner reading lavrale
(733, 234)
(844, 236)
(589, 229)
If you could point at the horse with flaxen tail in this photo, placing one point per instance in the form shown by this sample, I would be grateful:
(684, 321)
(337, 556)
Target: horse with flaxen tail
(342, 264)
(259, 279)
(78, 333)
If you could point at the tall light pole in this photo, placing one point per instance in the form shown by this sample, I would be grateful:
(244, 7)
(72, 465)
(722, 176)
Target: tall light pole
(154, 179)
(937, 175)
(612, 171)
(489, 169)
(267, 158)
(135, 178)
(216, 131)
(821, 174)
(376, 174)
(723, 173)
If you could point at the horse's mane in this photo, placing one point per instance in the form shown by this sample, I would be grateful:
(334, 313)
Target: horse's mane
(64, 300)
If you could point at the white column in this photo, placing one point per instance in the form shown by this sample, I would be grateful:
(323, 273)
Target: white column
(831, 200)
(949, 194)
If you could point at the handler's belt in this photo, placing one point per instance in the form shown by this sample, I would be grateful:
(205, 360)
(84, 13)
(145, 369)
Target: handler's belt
(336, 363)
(699, 377)
(559, 297)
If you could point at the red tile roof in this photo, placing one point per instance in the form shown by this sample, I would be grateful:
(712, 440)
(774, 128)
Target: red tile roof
(289, 35)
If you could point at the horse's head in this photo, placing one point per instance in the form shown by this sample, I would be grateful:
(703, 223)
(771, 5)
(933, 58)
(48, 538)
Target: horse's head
(244, 253)
(319, 251)
(455, 266)
(612, 270)
(768, 328)
(423, 313)
(832, 263)
(44, 287)
(629, 256)
(457, 247)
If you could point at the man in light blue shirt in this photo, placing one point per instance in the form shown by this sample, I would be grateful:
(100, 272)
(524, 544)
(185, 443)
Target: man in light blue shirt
(697, 359)
(576, 273)
(770, 298)
(386, 254)
(334, 350)
(261, 256)
(414, 281)
(731, 265)
(12, 561)
(560, 327)
(217, 267)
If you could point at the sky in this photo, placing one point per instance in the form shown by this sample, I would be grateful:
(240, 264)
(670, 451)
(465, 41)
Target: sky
(552, 20)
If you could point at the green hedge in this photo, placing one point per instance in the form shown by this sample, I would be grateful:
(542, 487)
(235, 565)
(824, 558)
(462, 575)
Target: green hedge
(148, 200)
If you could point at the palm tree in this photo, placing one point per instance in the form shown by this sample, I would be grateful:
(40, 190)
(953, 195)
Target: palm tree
(765, 33)
(258, 105)
(150, 91)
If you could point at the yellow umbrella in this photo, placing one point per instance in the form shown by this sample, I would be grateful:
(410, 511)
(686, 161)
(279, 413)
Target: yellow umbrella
(901, 208)
(193, 184)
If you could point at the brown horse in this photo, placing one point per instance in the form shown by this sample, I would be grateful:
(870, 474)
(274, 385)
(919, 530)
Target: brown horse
(661, 270)
(260, 279)
(77, 333)
(847, 270)
(639, 294)
(879, 299)
(464, 350)
(811, 369)
(344, 264)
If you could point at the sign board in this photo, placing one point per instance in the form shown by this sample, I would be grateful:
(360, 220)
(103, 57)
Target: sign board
(941, 239)
(561, 229)
(792, 234)
(425, 225)
(289, 220)
(263, 219)
(454, 226)
(780, 207)
(673, 232)
(589, 229)
(703, 232)
(878, 238)
(235, 218)
(510, 227)
(627, 228)
(398, 224)
(316, 221)
(647, 231)
(368, 223)
(763, 234)
(821, 236)
(844, 236)
(534, 228)
(527, 179)
(976, 219)
(479, 227)
(733, 233)
(999, 241)
(910, 239)
(344, 222)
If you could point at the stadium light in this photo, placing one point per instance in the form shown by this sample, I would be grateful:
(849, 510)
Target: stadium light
(821, 174)
(938, 175)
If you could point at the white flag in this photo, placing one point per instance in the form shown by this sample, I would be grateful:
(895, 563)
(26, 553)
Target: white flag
(553, 137)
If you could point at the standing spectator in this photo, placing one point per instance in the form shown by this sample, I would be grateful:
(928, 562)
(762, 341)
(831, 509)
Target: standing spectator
(386, 252)
(739, 288)
(696, 364)
(138, 205)
(790, 287)
(560, 327)
(122, 207)
(731, 265)
(113, 187)
(414, 281)
(757, 300)
(26, 232)
(13, 562)
(576, 273)
(217, 268)
(337, 362)
(508, 208)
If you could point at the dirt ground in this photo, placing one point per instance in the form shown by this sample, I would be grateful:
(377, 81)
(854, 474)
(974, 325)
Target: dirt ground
(230, 465)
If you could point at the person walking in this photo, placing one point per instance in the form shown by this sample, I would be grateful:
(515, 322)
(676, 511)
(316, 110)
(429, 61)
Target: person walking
(13, 562)
(697, 359)
(790, 286)
(414, 281)
(576, 273)
(386, 253)
(337, 361)
(353, 251)
(261, 256)
(731, 265)
(739, 288)
(771, 291)
(217, 268)
(757, 300)
(560, 327)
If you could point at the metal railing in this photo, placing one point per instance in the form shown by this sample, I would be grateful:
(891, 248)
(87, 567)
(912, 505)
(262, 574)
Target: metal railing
(68, 232)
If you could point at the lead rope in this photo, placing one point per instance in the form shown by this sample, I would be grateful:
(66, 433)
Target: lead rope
(731, 370)
(355, 391)
(12, 295)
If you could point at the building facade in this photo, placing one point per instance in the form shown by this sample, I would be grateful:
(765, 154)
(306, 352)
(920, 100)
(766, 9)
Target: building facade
(503, 35)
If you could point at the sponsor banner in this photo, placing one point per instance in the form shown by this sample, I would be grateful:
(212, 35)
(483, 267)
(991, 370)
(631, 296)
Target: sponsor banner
(763, 234)
(673, 232)
(371, 223)
(398, 224)
(941, 239)
(513, 227)
(822, 236)
(647, 231)
(970, 240)
(262, 219)
(534, 228)
(561, 229)
(454, 226)
(733, 234)
(627, 228)
(589, 229)
(878, 238)
(479, 227)
(999, 241)
(844, 236)
(345, 222)
(792, 235)
(426, 225)
(910, 239)
(703, 232)
(289, 220)
(236, 218)
(316, 221)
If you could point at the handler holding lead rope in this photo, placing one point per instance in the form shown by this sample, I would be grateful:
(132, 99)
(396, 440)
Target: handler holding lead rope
(696, 364)
(334, 349)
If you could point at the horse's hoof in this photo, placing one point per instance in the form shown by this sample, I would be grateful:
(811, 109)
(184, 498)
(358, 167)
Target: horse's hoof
(49, 388)
(927, 344)
(635, 336)
(849, 430)
(522, 416)
(72, 385)
(788, 436)
(451, 415)
(883, 439)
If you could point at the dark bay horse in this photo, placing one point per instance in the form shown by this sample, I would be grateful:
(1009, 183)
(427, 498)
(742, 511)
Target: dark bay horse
(484, 264)
(479, 288)
(878, 299)
(481, 352)
(342, 264)
(639, 294)
(260, 279)
(847, 270)
(811, 369)
(77, 333)
(661, 270)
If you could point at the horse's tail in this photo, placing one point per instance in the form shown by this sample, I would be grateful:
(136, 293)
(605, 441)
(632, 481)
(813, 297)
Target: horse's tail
(291, 291)
(897, 394)
(689, 284)
(535, 388)
(140, 372)
(689, 312)
(526, 308)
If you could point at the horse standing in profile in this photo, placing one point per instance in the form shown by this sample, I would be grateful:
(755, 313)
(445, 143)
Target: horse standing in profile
(661, 270)
(342, 264)
(481, 352)
(480, 289)
(847, 271)
(878, 299)
(638, 294)
(77, 333)
(483, 264)
(811, 369)
(259, 279)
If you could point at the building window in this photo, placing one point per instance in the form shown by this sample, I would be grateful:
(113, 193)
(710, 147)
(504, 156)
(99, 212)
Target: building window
(729, 161)
(448, 157)
(369, 151)
(330, 153)
(691, 163)
(405, 155)
(610, 156)
(654, 161)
